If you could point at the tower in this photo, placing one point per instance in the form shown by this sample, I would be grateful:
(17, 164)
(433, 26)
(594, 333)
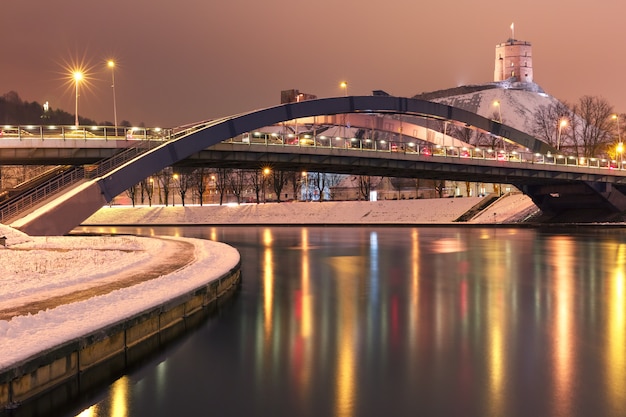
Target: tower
(514, 59)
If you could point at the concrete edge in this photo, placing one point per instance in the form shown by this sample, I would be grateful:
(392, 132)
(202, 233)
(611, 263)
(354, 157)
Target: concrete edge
(125, 341)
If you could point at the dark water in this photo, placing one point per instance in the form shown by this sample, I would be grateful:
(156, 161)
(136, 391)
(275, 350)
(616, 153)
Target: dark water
(399, 322)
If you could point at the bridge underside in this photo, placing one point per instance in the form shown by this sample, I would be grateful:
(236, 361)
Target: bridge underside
(582, 202)
(562, 197)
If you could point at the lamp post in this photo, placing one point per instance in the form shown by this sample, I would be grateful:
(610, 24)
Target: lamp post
(562, 124)
(620, 146)
(78, 76)
(497, 104)
(111, 64)
(266, 172)
(344, 85)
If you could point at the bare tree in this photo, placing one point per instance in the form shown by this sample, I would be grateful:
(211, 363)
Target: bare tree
(333, 181)
(184, 180)
(221, 182)
(592, 128)
(236, 183)
(547, 123)
(199, 182)
(257, 181)
(132, 193)
(165, 177)
(147, 187)
(365, 187)
(279, 180)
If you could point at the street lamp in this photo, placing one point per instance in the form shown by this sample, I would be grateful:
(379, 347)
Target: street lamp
(78, 76)
(497, 104)
(266, 172)
(562, 124)
(620, 146)
(344, 85)
(111, 64)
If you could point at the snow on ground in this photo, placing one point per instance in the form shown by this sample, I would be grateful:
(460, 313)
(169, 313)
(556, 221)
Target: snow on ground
(509, 208)
(46, 267)
(54, 326)
(34, 268)
(436, 210)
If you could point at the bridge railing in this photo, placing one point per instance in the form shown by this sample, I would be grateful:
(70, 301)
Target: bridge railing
(26, 201)
(23, 132)
(430, 150)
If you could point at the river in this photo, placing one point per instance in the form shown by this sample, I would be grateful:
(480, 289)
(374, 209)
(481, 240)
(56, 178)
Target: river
(397, 321)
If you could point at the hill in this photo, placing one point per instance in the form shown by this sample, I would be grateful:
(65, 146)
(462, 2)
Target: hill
(519, 102)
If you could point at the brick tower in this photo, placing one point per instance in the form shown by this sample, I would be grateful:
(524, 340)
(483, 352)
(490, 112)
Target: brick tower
(514, 59)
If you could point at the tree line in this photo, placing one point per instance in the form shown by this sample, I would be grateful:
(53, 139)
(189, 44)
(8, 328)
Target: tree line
(14, 110)
(260, 185)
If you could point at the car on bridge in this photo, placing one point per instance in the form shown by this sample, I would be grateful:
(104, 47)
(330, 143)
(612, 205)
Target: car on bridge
(78, 133)
(12, 132)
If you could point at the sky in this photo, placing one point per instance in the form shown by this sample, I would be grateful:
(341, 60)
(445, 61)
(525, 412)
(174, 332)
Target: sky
(190, 60)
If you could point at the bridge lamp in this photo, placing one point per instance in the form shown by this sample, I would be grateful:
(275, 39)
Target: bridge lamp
(562, 124)
(620, 147)
(111, 64)
(78, 77)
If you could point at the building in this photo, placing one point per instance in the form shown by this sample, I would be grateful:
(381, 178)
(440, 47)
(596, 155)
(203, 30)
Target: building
(514, 61)
(293, 95)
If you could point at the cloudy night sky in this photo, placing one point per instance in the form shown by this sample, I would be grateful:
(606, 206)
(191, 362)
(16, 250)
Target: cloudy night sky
(191, 60)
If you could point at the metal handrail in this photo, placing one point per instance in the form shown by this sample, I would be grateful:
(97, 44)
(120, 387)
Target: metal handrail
(14, 207)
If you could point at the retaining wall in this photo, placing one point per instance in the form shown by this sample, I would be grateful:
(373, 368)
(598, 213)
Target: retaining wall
(75, 364)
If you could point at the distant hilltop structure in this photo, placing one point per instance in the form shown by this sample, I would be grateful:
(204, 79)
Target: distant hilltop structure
(514, 61)
(293, 96)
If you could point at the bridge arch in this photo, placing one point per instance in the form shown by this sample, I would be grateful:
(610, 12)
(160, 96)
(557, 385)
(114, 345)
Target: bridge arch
(211, 133)
(68, 213)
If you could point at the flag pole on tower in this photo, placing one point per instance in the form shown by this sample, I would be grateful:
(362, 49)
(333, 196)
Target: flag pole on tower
(513, 31)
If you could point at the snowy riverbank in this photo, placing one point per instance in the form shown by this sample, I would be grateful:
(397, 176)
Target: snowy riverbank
(424, 211)
(35, 269)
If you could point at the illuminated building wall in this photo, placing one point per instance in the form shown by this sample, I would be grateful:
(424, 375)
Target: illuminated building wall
(514, 59)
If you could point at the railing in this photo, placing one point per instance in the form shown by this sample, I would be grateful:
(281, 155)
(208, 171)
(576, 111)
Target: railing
(304, 140)
(13, 208)
(25, 201)
(369, 145)
(83, 132)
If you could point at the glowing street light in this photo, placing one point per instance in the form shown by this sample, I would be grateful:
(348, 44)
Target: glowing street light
(562, 124)
(620, 147)
(78, 76)
(344, 85)
(111, 64)
(266, 172)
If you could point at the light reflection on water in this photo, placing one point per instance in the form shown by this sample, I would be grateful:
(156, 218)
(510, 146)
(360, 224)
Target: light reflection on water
(398, 321)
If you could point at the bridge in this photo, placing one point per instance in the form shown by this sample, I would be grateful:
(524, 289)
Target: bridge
(368, 135)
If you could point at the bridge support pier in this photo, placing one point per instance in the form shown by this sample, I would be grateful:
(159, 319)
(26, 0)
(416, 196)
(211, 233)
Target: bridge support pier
(577, 202)
(62, 215)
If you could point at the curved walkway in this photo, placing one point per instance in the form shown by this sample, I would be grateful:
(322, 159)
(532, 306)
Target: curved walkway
(177, 254)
